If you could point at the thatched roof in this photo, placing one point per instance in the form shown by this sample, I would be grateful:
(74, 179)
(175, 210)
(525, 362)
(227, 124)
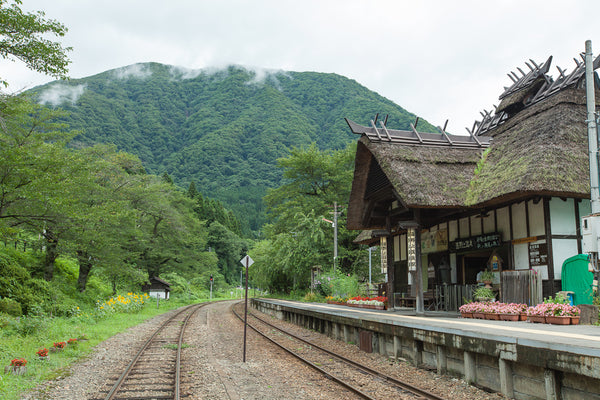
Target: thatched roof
(542, 150)
(426, 176)
(419, 176)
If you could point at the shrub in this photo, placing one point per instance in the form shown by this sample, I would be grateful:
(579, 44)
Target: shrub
(10, 307)
(337, 284)
(27, 325)
(310, 296)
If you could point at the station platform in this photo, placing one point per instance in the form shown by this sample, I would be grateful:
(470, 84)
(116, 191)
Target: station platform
(522, 360)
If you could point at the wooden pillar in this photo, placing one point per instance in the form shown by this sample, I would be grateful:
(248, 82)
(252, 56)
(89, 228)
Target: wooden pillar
(578, 224)
(548, 231)
(390, 262)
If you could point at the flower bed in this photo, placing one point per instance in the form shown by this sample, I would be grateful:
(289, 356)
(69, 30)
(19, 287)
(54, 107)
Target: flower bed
(554, 313)
(377, 303)
(492, 310)
(565, 314)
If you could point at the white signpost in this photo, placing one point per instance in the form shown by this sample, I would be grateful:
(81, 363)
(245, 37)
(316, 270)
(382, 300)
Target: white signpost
(246, 261)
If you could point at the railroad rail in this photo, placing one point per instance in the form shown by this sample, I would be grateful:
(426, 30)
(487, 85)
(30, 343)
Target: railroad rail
(374, 384)
(154, 372)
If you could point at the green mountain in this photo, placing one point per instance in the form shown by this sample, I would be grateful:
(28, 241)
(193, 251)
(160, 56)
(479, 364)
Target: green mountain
(222, 129)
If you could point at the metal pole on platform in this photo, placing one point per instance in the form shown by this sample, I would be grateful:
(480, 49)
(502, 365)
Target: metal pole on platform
(246, 261)
(592, 128)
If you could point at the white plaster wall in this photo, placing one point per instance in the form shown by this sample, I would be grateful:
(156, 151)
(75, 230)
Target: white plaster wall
(519, 221)
(503, 223)
(521, 256)
(475, 226)
(464, 227)
(561, 250)
(396, 248)
(403, 251)
(536, 218)
(488, 223)
(562, 216)
(585, 207)
(452, 230)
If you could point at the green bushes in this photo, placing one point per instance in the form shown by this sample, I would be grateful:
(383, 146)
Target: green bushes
(338, 285)
(16, 282)
(10, 307)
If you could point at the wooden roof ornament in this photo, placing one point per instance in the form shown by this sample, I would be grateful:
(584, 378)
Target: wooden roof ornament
(530, 88)
(384, 135)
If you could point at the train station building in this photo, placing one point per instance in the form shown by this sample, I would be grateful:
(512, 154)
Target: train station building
(508, 197)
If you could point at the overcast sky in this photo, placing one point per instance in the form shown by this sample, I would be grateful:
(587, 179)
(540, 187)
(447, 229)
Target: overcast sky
(443, 59)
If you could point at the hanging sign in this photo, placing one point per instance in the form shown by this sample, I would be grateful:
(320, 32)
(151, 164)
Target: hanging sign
(432, 242)
(538, 254)
(383, 247)
(411, 249)
(481, 242)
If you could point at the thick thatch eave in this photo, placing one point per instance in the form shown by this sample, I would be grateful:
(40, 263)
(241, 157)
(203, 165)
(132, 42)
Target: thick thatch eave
(542, 149)
(419, 176)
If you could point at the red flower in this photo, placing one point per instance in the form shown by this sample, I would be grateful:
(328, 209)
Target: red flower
(18, 362)
(42, 352)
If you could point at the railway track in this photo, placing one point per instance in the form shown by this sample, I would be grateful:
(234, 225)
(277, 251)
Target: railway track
(154, 372)
(365, 382)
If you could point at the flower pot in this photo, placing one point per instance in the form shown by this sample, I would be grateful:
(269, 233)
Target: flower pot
(15, 370)
(478, 315)
(509, 317)
(492, 316)
(466, 314)
(523, 316)
(538, 319)
(575, 320)
(43, 358)
(558, 320)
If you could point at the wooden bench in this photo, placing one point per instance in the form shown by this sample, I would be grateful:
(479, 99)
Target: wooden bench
(411, 301)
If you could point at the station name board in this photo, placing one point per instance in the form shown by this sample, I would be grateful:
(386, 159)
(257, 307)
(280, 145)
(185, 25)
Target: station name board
(480, 242)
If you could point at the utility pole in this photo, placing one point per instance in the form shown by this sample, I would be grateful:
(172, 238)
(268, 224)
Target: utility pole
(591, 223)
(592, 128)
(335, 230)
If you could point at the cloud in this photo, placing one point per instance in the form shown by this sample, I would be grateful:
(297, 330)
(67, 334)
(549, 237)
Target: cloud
(184, 73)
(58, 94)
(140, 71)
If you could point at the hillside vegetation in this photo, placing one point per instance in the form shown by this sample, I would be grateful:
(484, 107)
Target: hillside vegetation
(221, 129)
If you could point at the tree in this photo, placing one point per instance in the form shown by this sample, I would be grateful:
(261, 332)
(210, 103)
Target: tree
(24, 36)
(297, 238)
(34, 168)
(229, 249)
(168, 235)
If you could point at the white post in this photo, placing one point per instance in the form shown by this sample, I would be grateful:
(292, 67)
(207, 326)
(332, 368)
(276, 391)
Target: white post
(592, 129)
(335, 254)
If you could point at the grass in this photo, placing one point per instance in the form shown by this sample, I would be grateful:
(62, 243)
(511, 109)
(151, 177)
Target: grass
(45, 331)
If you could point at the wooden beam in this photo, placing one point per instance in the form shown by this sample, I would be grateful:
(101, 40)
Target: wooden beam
(548, 231)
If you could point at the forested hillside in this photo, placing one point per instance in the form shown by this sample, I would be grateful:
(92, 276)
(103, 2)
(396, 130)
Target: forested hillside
(221, 129)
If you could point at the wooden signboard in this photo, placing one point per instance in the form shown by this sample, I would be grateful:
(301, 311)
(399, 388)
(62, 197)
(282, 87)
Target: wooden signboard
(538, 254)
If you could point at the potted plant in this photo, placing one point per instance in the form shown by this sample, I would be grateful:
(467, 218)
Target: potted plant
(58, 346)
(17, 367)
(42, 354)
(483, 294)
(487, 277)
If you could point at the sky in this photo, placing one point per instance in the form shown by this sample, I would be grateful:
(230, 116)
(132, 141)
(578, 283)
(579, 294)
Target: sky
(440, 59)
